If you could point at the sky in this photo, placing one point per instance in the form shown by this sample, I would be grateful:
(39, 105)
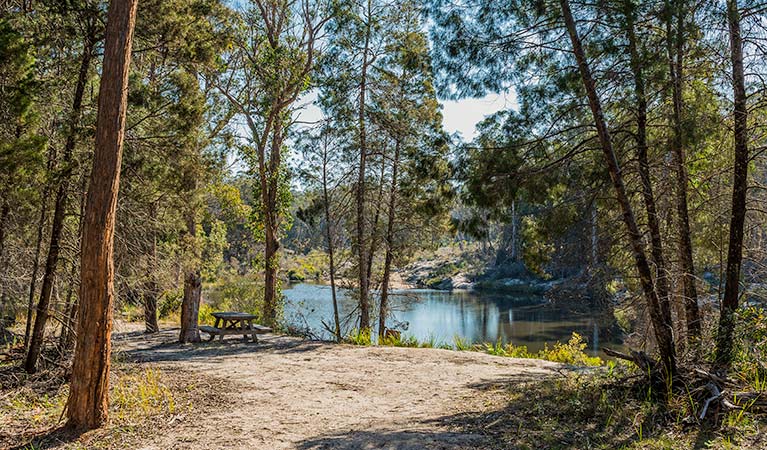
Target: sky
(458, 115)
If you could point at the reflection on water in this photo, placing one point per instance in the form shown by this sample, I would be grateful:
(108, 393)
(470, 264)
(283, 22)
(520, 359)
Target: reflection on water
(476, 317)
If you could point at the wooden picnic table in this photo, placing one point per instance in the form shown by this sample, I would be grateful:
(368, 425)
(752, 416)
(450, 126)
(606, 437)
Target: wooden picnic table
(232, 322)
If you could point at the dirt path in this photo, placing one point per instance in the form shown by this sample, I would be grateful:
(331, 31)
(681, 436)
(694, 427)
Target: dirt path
(293, 394)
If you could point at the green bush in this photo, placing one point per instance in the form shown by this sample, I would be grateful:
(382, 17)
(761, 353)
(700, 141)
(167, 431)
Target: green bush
(170, 303)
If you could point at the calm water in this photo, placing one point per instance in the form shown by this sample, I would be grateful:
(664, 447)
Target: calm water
(474, 317)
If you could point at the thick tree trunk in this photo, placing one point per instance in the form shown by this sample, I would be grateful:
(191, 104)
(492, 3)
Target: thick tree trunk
(653, 222)
(59, 211)
(190, 308)
(384, 304)
(362, 257)
(661, 321)
(724, 352)
(87, 406)
(676, 60)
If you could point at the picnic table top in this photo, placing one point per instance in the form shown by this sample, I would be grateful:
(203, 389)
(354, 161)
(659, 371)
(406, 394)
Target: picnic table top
(233, 315)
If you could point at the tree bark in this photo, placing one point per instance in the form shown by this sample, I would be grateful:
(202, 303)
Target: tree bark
(190, 306)
(151, 290)
(676, 59)
(384, 304)
(724, 353)
(5, 211)
(660, 320)
(59, 211)
(87, 405)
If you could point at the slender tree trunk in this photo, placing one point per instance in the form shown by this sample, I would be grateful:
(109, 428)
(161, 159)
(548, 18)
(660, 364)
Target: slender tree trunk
(653, 222)
(360, 194)
(384, 305)
(5, 211)
(329, 236)
(724, 353)
(660, 319)
(375, 236)
(67, 338)
(38, 249)
(59, 211)
(676, 60)
(151, 290)
(87, 406)
(594, 236)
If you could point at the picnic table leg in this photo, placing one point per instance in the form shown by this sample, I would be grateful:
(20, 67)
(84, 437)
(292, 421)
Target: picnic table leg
(221, 336)
(217, 322)
(255, 336)
(243, 327)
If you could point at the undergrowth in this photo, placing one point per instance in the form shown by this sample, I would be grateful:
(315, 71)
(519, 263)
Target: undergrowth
(571, 352)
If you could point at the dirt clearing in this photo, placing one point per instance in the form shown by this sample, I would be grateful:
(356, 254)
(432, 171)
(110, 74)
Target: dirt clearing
(288, 393)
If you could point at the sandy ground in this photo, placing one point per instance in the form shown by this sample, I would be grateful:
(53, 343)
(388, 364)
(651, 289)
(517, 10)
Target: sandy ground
(289, 393)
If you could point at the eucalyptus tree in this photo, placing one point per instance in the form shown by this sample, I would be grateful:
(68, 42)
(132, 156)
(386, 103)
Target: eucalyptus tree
(269, 67)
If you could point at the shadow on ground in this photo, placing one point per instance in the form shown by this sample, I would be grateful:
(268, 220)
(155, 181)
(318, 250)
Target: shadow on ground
(163, 347)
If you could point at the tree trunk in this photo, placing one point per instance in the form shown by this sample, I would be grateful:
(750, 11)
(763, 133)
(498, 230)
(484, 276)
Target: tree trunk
(59, 211)
(87, 405)
(676, 59)
(67, 338)
(384, 305)
(724, 353)
(190, 307)
(270, 199)
(151, 290)
(38, 249)
(329, 236)
(271, 246)
(360, 194)
(5, 211)
(660, 320)
(653, 222)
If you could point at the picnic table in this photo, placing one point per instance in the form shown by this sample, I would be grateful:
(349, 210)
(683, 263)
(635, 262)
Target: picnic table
(231, 322)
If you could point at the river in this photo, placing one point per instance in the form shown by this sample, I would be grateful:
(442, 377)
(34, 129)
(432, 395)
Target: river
(440, 316)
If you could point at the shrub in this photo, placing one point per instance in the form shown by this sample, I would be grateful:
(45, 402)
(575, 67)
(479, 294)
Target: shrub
(170, 303)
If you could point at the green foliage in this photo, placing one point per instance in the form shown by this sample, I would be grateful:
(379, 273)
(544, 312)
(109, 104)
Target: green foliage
(359, 337)
(233, 293)
(571, 352)
(169, 304)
